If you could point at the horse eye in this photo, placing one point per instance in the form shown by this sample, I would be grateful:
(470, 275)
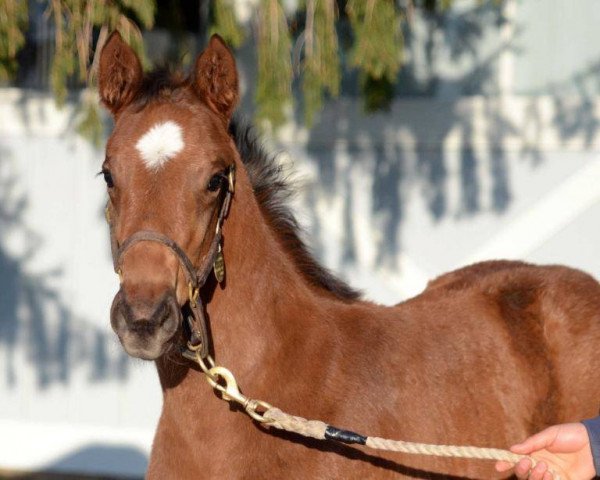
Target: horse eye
(108, 178)
(215, 182)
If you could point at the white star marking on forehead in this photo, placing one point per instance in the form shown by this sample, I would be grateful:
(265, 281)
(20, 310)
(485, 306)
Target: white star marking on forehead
(159, 144)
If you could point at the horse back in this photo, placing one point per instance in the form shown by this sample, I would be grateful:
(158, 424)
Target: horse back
(551, 317)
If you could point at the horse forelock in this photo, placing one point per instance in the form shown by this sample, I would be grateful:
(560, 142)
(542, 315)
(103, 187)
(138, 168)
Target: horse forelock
(162, 83)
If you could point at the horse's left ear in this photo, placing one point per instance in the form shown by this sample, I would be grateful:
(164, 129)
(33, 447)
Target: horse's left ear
(215, 78)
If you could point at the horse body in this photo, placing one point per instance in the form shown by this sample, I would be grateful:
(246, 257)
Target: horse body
(485, 356)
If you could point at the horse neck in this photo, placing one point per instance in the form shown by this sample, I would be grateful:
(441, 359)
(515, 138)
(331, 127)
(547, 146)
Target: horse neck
(264, 303)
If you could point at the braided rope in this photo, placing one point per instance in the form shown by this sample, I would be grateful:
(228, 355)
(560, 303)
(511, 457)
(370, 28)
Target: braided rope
(284, 421)
(443, 450)
(276, 418)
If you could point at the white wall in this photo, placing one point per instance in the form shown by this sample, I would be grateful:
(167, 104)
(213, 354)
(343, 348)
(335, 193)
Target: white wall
(70, 398)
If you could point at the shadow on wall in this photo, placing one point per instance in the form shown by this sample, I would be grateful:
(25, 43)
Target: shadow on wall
(32, 311)
(112, 462)
(575, 114)
(404, 151)
(107, 459)
(377, 145)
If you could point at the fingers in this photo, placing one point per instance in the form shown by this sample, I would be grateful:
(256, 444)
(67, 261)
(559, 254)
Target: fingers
(536, 442)
(503, 466)
(539, 471)
(522, 468)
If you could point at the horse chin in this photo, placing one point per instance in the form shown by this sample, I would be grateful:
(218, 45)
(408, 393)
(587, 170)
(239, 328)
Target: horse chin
(145, 348)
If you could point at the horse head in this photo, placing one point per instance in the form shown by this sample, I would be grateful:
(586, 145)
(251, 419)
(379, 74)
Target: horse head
(166, 168)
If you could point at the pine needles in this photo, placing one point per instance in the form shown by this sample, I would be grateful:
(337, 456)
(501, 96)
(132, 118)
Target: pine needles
(372, 43)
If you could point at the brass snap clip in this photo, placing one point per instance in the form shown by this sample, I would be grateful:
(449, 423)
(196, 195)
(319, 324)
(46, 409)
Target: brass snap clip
(231, 390)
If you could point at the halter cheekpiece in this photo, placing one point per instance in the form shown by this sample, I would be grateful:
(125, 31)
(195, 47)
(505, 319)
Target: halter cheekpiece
(196, 278)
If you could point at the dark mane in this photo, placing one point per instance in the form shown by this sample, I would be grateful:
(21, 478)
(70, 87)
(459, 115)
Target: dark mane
(270, 187)
(272, 191)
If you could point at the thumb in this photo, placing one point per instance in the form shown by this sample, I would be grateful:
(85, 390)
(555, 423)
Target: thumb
(540, 440)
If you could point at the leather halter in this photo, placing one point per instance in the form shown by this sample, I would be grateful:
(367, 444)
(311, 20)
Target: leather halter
(196, 278)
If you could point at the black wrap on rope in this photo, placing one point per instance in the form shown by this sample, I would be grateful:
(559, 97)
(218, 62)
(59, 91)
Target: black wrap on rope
(344, 436)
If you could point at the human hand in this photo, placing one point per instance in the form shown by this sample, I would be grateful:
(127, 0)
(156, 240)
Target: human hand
(564, 449)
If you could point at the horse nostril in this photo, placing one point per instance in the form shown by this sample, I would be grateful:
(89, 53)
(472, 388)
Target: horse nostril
(119, 315)
(170, 315)
(166, 315)
(163, 314)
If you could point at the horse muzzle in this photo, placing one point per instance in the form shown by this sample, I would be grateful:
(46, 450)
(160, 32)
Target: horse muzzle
(145, 328)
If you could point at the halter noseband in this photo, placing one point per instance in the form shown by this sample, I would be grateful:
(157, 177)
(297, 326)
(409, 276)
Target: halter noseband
(199, 340)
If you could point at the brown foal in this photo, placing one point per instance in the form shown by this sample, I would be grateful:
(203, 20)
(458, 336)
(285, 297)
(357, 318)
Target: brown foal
(485, 356)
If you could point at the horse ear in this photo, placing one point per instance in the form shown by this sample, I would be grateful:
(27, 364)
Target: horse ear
(215, 78)
(120, 73)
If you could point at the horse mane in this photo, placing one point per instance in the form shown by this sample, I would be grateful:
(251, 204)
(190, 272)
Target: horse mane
(272, 190)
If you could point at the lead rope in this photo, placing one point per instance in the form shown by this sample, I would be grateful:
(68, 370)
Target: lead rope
(270, 416)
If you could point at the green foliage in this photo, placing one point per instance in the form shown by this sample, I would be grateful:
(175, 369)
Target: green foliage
(273, 90)
(74, 22)
(89, 122)
(225, 24)
(13, 23)
(377, 93)
(378, 38)
(446, 4)
(144, 10)
(321, 66)
(378, 48)
(63, 63)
